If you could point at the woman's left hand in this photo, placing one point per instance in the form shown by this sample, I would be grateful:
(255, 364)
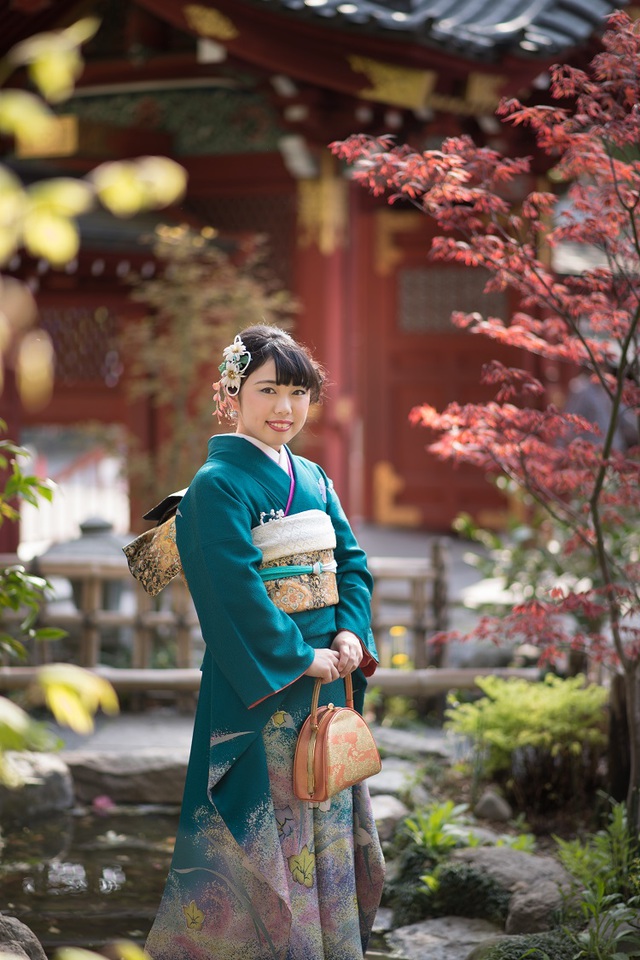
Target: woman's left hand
(349, 649)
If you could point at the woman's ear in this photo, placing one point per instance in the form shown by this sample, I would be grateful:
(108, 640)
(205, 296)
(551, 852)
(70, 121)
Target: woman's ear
(234, 403)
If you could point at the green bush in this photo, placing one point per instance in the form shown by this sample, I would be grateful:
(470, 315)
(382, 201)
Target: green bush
(552, 945)
(605, 857)
(542, 740)
(463, 891)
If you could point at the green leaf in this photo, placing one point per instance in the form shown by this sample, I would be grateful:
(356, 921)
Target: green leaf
(49, 633)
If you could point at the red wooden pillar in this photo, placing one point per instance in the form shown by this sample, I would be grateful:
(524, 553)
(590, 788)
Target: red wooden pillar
(322, 285)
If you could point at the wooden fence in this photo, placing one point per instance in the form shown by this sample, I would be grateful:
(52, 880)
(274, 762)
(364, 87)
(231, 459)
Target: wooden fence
(144, 644)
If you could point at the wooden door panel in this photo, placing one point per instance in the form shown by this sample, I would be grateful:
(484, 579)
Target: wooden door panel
(415, 356)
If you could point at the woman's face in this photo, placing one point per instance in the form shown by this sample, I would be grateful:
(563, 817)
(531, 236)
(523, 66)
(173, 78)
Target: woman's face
(270, 412)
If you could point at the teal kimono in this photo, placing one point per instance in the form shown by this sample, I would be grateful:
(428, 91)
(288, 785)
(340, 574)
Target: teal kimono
(258, 874)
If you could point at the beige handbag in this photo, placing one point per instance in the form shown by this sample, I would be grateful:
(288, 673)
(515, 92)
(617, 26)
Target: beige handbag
(335, 749)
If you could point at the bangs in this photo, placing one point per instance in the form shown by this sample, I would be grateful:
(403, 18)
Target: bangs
(294, 368)
(294, 365)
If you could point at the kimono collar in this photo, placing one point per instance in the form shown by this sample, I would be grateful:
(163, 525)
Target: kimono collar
(278, 456)
(246, 456)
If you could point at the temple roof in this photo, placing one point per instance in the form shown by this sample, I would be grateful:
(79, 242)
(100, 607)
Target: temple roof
(477, 29)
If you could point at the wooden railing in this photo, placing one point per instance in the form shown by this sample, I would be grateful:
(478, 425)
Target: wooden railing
(144, 644)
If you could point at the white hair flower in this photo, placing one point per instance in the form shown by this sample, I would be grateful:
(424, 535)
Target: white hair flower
(232, 369)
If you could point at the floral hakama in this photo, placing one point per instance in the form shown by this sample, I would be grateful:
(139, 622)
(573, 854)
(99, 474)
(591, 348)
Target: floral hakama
(258, 874)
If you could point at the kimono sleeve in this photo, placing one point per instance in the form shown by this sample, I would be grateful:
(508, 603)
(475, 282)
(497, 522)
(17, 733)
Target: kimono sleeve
(355, 583)
(258, 648)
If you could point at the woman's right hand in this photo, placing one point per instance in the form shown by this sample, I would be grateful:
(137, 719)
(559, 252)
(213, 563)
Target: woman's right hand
(324, 665)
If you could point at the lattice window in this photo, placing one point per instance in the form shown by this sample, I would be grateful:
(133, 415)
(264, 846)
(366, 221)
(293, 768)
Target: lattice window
(271, 215)
(85, 344)
(429, 295)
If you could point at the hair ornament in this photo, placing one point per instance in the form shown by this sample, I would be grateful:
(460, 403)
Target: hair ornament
(232, 369)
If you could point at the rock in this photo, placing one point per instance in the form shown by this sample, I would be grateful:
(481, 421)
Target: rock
(17, 939)
(395, 777)
(536, 883)
(388, 811)
(532, 910)
(147, 776)
(412, 744)
(514, 869)
(481, 951)
(43, 785)
(492, 806)
(383, 921)
(445, 938)
(484, 835)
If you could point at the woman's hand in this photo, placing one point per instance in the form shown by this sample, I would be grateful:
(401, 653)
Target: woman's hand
(349, 649)
(324, 666)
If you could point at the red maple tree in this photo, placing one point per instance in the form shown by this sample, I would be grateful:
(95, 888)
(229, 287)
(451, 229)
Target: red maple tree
(589, 487)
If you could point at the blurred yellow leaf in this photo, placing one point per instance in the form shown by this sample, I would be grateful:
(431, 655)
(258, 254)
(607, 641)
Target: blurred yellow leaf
(13, 719)
(12, 207)
(53, 59)
(126, 950)
(119, 187)
(50, 236)
(123, 949)
(61, 195)
(8, 242)
(24, 113)
(165, 180)
(35, 369)
(74, 695)
(68, 708)
(76, 953)
(82, 30)
(127, 186)
(55, 73)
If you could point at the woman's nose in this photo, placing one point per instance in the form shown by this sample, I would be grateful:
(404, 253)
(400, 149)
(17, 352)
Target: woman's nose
(283, 404)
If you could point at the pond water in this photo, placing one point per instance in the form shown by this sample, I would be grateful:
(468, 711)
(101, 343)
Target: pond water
(83, 879)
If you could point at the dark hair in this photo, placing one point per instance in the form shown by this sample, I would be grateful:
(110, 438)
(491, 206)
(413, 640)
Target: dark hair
(294, 364)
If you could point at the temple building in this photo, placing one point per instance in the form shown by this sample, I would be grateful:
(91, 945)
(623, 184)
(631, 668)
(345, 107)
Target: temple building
(246, 95)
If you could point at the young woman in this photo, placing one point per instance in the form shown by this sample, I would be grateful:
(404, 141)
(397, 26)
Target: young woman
(258, 874)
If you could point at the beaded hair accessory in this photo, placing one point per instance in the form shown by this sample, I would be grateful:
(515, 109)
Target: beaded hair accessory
(233, 368)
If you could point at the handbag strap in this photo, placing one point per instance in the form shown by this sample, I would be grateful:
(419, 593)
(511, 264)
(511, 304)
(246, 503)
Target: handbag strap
(316, 696)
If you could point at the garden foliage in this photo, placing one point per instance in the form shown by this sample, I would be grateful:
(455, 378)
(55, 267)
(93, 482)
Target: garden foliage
(562, 461)
(542, 741)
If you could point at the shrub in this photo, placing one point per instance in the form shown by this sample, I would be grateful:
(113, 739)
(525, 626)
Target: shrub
(463, 891)
(552, 945)
(604, 857)
(541, 740)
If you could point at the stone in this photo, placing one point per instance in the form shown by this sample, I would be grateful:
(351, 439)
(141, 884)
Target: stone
(444, 938)
(383, 921)
(483, 834)
(395, 777)
(412, 744)
(16, 938)
(146, 776)
(492, 806)
(532, 910)
(43, 784)
(514, 869)
(484, 948)
(388, 811)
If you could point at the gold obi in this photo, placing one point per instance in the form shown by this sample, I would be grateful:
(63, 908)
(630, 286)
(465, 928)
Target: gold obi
(298, 566)
(153, 557)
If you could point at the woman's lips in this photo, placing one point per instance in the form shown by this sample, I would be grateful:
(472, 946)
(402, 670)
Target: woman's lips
(281, 425)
